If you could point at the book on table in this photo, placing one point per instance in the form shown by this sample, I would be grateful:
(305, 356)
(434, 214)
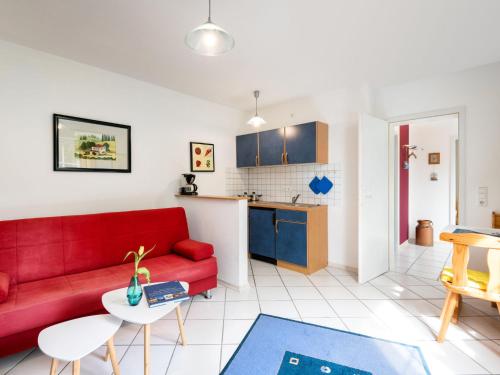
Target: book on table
(162, 293)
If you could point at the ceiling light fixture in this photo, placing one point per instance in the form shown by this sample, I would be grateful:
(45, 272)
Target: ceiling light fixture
(256, 120)
(209, 39)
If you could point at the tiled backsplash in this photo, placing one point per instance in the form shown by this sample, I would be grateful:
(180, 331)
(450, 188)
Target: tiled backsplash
(280, 183)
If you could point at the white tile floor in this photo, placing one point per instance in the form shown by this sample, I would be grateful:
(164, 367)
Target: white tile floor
(422, 261)
(395, 306)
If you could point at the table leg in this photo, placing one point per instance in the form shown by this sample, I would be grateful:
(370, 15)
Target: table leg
(181, 324)
(112, 354)
(53, 366)
(147, 337)
(106, 356)
(76, 367)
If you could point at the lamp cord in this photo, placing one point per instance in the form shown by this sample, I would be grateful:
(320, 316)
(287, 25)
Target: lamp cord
(209, 10)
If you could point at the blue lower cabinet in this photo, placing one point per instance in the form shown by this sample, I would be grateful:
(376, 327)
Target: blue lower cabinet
(261, 236)
(291, 243)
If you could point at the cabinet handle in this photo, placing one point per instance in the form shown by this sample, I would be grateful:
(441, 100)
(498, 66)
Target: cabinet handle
(276, 226)
(282, 158)
(257, 160)
(286, 157)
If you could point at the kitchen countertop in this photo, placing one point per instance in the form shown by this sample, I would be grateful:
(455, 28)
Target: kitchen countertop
(223, 197)
(285, 206)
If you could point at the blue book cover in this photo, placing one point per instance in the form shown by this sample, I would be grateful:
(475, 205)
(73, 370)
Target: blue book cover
(160, 294)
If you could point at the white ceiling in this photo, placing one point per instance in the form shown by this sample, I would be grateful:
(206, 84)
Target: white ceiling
(285, 48)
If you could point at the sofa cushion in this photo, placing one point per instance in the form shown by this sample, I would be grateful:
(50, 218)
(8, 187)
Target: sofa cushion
(4, 286)
(102, 240)
(194, 250)
(45, 302)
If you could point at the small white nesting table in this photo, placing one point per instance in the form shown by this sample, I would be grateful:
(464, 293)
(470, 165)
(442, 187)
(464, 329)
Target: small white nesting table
(115, 302)
(72, 340)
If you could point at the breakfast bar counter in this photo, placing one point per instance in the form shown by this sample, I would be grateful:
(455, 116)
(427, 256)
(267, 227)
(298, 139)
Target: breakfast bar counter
(223, 197)
(223, 222)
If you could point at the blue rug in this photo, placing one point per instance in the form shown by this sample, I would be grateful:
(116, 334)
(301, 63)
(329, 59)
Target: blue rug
(282, 346)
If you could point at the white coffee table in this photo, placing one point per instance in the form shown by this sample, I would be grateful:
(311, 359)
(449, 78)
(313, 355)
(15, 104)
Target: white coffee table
(72, 340)
(115, 302)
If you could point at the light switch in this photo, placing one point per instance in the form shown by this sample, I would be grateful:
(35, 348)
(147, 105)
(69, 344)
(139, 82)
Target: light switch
(483, 196)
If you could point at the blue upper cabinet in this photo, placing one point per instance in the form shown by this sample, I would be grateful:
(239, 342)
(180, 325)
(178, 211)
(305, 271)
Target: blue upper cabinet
(307, 143)
(271, 147)
(298, 144)
(246, 150)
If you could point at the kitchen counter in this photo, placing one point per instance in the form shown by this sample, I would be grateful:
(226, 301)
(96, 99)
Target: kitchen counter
(286, 206)
(226, 197)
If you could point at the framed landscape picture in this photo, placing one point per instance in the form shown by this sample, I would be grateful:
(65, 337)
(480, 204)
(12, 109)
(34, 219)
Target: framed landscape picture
(202, 157)
(84, 145)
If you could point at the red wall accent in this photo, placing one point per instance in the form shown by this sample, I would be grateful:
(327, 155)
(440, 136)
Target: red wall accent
(404, 182)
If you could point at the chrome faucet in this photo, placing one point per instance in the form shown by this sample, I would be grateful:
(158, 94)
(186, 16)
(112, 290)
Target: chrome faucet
(295, 198)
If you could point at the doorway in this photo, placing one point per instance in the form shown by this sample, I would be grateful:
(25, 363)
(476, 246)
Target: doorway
(426, 178)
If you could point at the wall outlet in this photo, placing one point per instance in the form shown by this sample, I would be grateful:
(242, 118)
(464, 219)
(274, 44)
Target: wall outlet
(483, 196)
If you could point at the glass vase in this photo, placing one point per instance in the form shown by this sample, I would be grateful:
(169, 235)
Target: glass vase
(134, 291)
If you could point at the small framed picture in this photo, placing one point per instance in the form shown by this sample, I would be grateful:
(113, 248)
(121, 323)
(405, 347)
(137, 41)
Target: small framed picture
(434, 158)
(202, 157)
(84, 145)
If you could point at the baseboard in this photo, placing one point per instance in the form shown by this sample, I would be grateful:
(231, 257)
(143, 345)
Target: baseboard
(343, 267)
(233, 287)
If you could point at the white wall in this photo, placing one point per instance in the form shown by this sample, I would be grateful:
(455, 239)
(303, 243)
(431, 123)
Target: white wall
(478, 90)
(340, 110)
(431, 199)
(34, 85)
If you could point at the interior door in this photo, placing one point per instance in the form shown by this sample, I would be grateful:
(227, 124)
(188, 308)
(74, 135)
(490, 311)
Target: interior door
(373, 197)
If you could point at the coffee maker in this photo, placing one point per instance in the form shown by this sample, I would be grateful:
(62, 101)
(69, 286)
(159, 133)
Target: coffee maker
(189, 187)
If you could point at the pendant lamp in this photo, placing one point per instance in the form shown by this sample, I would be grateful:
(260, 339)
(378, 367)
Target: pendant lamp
(256, 120)
(209, 39)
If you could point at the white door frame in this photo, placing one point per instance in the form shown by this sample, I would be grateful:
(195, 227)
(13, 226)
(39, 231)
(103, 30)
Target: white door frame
(394, 187)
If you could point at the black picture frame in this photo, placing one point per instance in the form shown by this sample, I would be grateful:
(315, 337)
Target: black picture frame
(191, 159)
(56, 143)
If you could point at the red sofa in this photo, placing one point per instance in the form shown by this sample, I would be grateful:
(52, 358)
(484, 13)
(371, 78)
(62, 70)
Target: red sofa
(59, 267)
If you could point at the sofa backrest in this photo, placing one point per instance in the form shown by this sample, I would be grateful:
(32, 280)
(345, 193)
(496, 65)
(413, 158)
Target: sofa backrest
(41, 248)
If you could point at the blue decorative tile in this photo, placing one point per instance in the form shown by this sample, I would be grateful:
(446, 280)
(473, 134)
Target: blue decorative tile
(324, 185)
(313, 185)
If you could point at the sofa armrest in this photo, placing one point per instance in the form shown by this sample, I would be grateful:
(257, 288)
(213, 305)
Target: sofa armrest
(193, 250)
(4, 286)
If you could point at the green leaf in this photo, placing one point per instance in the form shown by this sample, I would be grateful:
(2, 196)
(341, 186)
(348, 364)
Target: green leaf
(146, 253)
(144, 271)
(131, 252)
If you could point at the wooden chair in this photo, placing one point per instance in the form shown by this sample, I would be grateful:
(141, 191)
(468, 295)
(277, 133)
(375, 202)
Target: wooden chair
(462, 282)
(495, 220)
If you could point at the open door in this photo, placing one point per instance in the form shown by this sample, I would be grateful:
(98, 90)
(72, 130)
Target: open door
(373, 197)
